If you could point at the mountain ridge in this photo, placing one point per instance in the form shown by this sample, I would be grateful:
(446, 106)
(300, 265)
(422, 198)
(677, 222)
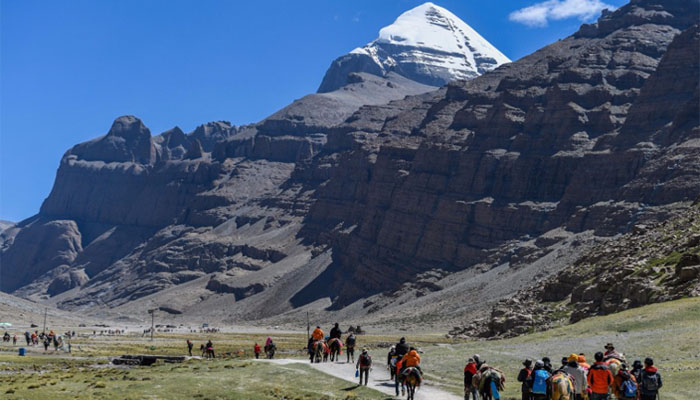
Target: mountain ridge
(479, 188)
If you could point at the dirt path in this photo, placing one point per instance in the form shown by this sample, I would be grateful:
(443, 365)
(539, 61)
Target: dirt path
(378, 379)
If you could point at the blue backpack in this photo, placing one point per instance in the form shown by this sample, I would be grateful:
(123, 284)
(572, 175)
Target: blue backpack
(629, 388)
(539, 385)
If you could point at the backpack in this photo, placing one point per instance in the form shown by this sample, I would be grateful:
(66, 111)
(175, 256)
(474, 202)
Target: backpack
(539, 385)
(650, 382)
(365, 360)
(629, 388)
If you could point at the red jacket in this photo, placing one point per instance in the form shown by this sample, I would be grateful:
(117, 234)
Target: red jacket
(257, 348)
(600, 378)
(471, 368)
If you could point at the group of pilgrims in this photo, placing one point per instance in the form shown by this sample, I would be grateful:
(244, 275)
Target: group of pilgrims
(609, 377)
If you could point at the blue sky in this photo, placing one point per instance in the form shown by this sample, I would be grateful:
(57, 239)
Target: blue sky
(69, 68)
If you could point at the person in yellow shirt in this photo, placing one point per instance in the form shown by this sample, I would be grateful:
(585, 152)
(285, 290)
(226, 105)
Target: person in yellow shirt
(317, 334)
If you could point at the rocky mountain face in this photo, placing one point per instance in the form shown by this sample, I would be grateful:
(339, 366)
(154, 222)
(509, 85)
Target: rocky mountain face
(653, 263)
(376, 206)
(427, 44)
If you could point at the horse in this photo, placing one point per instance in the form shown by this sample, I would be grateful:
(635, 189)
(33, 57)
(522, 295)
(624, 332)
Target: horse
(412, 379)
(326, 351)
(335, 346)
(207, 352)
(485, 377)
(562, 386)
(270, 350)
(614, 364)
(318, 350)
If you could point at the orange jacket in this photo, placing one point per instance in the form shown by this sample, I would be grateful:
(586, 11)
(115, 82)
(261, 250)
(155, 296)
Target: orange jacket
(600, 378)
(412, 359)
(318, 334)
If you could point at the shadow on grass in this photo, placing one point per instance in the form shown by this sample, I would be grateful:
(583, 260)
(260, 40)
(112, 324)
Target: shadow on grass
(347, 389)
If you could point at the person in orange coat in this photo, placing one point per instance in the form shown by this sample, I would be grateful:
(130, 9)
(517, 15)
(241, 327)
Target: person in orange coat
(600, 378)
(411, 359)
(256, 350)
(317, 334)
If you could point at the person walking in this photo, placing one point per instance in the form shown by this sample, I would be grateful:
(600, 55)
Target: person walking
(256, 350)
(350, 347)
(650, 381)
(523, 375)
(625, 386)
(600, 378)
(190, 345)
(637, 369)
(578, 373)
(469, 387)
(537, 382)
(364, 363)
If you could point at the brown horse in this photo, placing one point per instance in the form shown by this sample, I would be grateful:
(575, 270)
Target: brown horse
(412, 379)
(335, 346)
(562, 386)
(483, 380)
(318, 351)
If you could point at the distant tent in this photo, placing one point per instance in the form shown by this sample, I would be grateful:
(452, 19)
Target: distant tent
(7, 324)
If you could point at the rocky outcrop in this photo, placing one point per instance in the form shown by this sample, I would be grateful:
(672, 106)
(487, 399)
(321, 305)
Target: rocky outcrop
(653, 263)
(39, 246)
(128, 140)
(66, 281)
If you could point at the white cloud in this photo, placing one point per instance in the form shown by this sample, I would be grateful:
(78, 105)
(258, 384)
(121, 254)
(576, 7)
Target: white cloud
(540, 13)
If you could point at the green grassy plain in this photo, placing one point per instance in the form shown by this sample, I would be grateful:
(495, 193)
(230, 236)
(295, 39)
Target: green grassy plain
(667, 332)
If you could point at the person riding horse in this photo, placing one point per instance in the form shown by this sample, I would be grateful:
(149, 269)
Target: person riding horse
(270, 348)
(335, 332)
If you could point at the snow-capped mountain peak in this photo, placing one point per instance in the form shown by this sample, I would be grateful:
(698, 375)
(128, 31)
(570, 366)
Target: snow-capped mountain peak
(428, 44)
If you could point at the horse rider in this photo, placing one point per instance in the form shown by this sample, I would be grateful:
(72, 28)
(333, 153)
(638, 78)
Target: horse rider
(401, 347)
(317, 334)
(611, 353)
(335, 331)
(578, 373)
(411, 359)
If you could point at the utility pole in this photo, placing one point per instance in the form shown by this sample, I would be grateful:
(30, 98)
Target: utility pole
(153, 314)
(45, 311)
